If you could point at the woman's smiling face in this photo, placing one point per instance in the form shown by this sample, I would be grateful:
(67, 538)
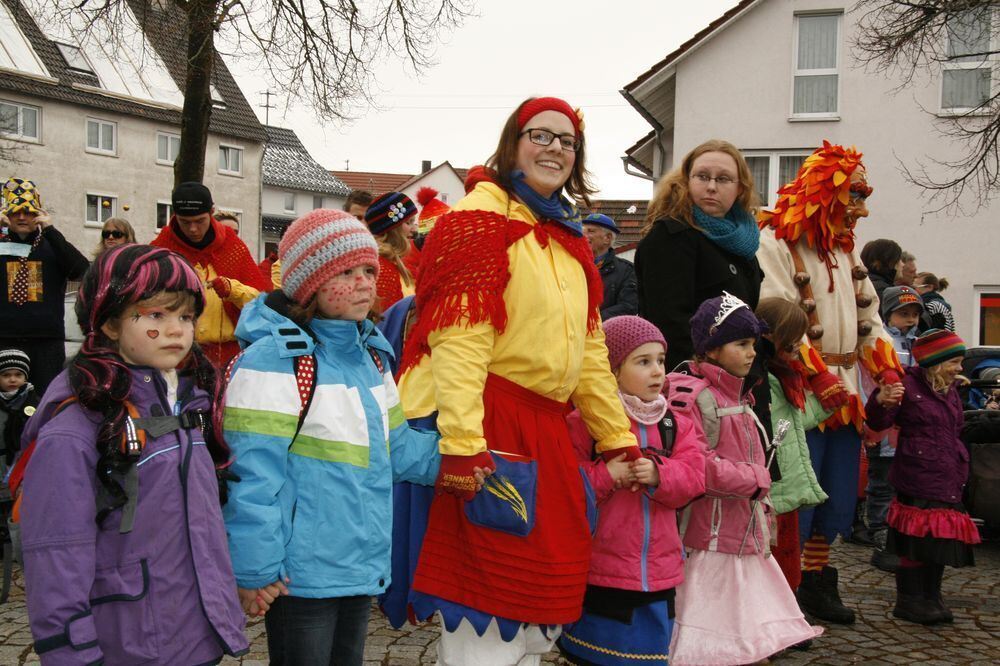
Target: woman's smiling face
(546, 168)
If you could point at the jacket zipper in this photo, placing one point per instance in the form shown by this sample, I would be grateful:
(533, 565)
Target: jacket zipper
(644, 443)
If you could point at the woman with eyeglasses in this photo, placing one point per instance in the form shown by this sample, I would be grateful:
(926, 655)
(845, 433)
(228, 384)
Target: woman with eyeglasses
(507, 333)
(700, 239)
(117, 231)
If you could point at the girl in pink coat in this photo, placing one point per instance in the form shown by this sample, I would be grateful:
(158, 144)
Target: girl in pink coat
(637, 560)
(734, 606)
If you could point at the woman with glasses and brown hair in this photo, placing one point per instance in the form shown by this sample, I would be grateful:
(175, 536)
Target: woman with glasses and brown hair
(117, 231)
(700, 239)
(507, 332)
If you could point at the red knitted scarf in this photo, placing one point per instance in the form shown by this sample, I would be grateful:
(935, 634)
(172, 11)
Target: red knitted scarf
(227, 254)
(464, 270)
(388, 284)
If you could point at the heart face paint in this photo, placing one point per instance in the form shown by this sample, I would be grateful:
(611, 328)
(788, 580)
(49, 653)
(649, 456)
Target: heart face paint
(347, 295)
(157, 332)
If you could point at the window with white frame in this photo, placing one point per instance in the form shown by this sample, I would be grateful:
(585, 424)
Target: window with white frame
(966, 75)
(167, 147)
(317, 201)
(20, 121)
(102, 136)
(231, 160)
(773, 170)
(100, 207)
(289, 202)
(817, 54)
(163, 212)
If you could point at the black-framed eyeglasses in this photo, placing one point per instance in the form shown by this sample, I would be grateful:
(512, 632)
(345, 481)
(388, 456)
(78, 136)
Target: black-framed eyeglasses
(544, 137)
(112, 233)
(720, 181)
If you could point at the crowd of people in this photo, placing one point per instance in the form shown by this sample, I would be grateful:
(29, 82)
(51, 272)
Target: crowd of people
(482, 415)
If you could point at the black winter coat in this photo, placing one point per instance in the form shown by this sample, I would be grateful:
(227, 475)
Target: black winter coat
(678, 268)
(14, 415)
(621, 295)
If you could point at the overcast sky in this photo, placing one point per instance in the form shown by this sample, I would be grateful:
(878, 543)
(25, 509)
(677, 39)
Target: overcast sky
(583, 51)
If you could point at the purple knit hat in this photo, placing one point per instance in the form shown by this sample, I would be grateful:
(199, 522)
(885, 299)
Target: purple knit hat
(625, 334)
(723, 319)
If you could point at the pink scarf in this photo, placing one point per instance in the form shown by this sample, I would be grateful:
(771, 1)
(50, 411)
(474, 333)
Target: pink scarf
(646, 413)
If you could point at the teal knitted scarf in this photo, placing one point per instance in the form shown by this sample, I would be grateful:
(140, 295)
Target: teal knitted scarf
(736, 233)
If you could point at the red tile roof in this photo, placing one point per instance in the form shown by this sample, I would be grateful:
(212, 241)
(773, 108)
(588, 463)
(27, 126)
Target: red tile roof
(372, 181)
(628, 214)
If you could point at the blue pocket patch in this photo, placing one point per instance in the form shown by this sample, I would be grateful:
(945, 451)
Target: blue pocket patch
(507, 500)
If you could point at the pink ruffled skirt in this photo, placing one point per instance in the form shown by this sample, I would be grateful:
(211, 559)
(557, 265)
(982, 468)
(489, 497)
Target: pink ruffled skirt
(734, 610)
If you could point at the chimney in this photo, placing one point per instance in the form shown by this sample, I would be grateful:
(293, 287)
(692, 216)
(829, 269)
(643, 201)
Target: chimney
(425, 166)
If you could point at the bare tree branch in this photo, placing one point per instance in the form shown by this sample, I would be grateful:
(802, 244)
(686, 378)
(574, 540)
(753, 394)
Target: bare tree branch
(908, 40)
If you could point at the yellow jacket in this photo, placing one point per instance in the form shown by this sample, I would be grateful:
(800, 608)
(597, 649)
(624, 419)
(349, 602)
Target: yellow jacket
(213, 324)
(545, 346)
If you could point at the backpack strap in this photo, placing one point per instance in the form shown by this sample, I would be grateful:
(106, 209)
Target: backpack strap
(710, 416)
(305, 380)
(668, 433)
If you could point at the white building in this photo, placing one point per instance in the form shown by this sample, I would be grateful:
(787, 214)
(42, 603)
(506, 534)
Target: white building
(294, 184)
(776, 78)
(96, 126)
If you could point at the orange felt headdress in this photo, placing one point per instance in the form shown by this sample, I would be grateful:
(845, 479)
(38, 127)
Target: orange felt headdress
(814, 204)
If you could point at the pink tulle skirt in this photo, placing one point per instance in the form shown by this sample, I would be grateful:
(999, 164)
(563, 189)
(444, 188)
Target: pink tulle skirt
(939, 523)
(734, 610)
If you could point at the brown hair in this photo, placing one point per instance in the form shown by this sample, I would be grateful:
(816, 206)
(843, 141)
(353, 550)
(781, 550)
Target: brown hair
(393, 245)
(881, 255)
(672, 199)
(504, 160)
(120, 224)
(787, 321)
(933, 281)
(359, 197)
(303, 313)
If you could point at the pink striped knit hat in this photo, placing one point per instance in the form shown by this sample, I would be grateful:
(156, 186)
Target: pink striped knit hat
(319, 245)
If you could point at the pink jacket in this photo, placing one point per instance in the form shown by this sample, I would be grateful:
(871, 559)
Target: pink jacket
(636, 546)
(735, 472)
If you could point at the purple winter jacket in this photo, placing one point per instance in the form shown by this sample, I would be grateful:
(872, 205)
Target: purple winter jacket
(163, 593)
(931, 461)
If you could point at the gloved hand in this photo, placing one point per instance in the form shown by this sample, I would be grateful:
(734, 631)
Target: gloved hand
(829, 389)
(888, 376)
(456, 475)
(631, 453)
(222, 286)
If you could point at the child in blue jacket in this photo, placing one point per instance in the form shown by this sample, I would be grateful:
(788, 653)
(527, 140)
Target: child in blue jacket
(314, 421)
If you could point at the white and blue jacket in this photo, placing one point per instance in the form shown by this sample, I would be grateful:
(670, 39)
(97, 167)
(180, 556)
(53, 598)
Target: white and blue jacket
(903, 344)
(317, 509)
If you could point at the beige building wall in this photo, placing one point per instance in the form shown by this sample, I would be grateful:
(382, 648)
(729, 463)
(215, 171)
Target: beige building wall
(738, 86)
(66, 173)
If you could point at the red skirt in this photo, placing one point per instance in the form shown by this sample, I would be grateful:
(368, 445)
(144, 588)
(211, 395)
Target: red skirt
(539, 578)
(938, 522)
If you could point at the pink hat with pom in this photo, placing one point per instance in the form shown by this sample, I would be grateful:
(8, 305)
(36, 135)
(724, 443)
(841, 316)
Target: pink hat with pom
(319, 245)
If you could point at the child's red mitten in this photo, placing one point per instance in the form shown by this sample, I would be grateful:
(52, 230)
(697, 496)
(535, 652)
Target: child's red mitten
(631, 453)
(222, 287)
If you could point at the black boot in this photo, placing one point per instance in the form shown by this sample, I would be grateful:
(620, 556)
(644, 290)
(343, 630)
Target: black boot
(910, 602)
(859, 530)
(933, 575)
(818, 596)
(881, 558)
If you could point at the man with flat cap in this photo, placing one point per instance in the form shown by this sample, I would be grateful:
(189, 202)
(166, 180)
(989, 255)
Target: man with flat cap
(223, 262)
(621, 295)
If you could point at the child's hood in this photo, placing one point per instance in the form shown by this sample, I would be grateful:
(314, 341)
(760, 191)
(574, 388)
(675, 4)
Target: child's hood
(266, 316)
(57, 392)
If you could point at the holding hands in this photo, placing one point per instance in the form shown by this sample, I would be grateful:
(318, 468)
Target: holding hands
(890, 395)
(256, 602)
(640, 471)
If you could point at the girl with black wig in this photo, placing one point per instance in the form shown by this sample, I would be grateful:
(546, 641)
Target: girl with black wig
(124, 547)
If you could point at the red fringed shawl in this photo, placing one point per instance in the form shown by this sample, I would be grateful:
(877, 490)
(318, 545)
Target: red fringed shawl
(465, 257)
(227, 254)
(388, 284)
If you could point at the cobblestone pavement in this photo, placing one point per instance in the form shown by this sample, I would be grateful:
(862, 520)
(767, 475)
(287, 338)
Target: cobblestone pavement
(876, 638)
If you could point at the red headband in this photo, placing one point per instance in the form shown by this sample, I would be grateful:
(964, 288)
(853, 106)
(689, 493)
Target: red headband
(535, 106)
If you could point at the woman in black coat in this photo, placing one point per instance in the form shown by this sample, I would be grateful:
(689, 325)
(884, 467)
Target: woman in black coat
(700, 240)
(881, 257)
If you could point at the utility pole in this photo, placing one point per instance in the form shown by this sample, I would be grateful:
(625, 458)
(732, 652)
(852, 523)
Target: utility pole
(267, 106)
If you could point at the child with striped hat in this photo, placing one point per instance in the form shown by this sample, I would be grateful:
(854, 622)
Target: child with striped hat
(928, 526)
(318, 435)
